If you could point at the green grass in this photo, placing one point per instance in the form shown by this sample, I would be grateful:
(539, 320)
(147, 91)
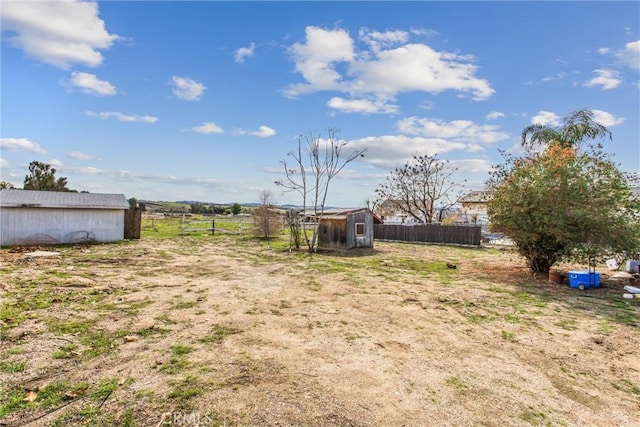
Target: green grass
(179, 349)
(92, 414)
(67, 351)
(177, 362)
(534, 417)
(568, 324)
(171, 227)
(509, 336)
(185, 389)
(103, 389)
(166, 319)
(218, 334)
(457, 383)
(12, 367)
(152, 331)
(313, 285)
(180, 305)
(11, 316)
(69, 326)
(627, 386)
(13, 399)
(97, 343)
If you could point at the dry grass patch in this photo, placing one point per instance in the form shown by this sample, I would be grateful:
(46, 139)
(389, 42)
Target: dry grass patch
(227, 330)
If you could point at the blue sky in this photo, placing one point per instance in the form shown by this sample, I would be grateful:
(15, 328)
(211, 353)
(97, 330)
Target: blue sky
(202, 100)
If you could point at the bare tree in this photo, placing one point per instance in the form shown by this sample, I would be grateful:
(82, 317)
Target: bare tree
(370, 204)
(422, 189)
(311, 172)
(266, 220)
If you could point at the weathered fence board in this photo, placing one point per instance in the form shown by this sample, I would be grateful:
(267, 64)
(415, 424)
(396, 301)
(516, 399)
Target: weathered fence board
(132, 223)
(429, 233)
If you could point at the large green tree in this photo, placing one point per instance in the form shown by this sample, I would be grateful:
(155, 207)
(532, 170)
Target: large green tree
(42, 176)
(236, 208)
(564, 203)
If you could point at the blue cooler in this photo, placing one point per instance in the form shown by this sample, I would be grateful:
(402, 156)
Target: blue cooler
(584, 279)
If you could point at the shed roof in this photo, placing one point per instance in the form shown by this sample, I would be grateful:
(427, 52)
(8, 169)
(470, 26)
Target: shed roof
(12, 198)
(338, 213)
(475, 197)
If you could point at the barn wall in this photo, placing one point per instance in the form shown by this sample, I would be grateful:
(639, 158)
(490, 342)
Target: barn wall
(28, 226)
(365, 241)
(332, 234)
(340, 233)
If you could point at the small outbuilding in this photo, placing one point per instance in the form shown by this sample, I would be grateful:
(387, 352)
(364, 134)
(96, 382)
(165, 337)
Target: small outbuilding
(347, 229)
(30, 217)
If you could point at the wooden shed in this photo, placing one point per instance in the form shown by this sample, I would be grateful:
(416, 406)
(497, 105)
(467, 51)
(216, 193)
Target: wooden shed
(347, 229)
(30, 217)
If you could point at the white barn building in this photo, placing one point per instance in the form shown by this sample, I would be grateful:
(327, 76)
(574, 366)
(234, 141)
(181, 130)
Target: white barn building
(30, 217)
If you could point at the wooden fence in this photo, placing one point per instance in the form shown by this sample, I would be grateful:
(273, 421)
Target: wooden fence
(132, 223)
(429, 233)
(212, 229)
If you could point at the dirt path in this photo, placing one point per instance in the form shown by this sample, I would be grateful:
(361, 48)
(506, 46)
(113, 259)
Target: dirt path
(229, 332)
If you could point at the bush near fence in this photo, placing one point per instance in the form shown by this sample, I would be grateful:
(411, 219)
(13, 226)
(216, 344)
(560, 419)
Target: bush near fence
(429, 233)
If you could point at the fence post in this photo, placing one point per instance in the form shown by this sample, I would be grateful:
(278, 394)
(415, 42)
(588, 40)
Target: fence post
(213, 226)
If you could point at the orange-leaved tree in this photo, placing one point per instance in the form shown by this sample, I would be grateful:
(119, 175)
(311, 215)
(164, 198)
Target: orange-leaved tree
(566, 201)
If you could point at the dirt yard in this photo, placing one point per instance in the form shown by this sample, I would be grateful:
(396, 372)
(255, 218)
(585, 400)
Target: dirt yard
(222, 331)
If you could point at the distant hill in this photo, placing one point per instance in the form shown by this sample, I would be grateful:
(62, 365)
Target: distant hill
(185, 205)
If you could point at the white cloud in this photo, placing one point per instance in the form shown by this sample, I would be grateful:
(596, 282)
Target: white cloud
(21, 144)
(3, 163)
(78, 155)
(121, 116)
(264, 132)
(55, 163)
(377, 40)
(129, 176)
(389, 151)
(607, 119)
(558, 76)
(494, 115)
(456, 130)
(545, 118)
(187, 89)
(87, 170)
(364, 106)
(207, 128)
(472, 165)
(316, 57)
(604, 50)
(90, 84)
(379, 70)
(244, 52)
(423, 32)
(630, 55)
(60, 33)
(606, 78)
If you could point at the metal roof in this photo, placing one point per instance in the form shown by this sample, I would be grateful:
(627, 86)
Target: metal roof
(475, 197)
(342, 213)
(12, 198)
